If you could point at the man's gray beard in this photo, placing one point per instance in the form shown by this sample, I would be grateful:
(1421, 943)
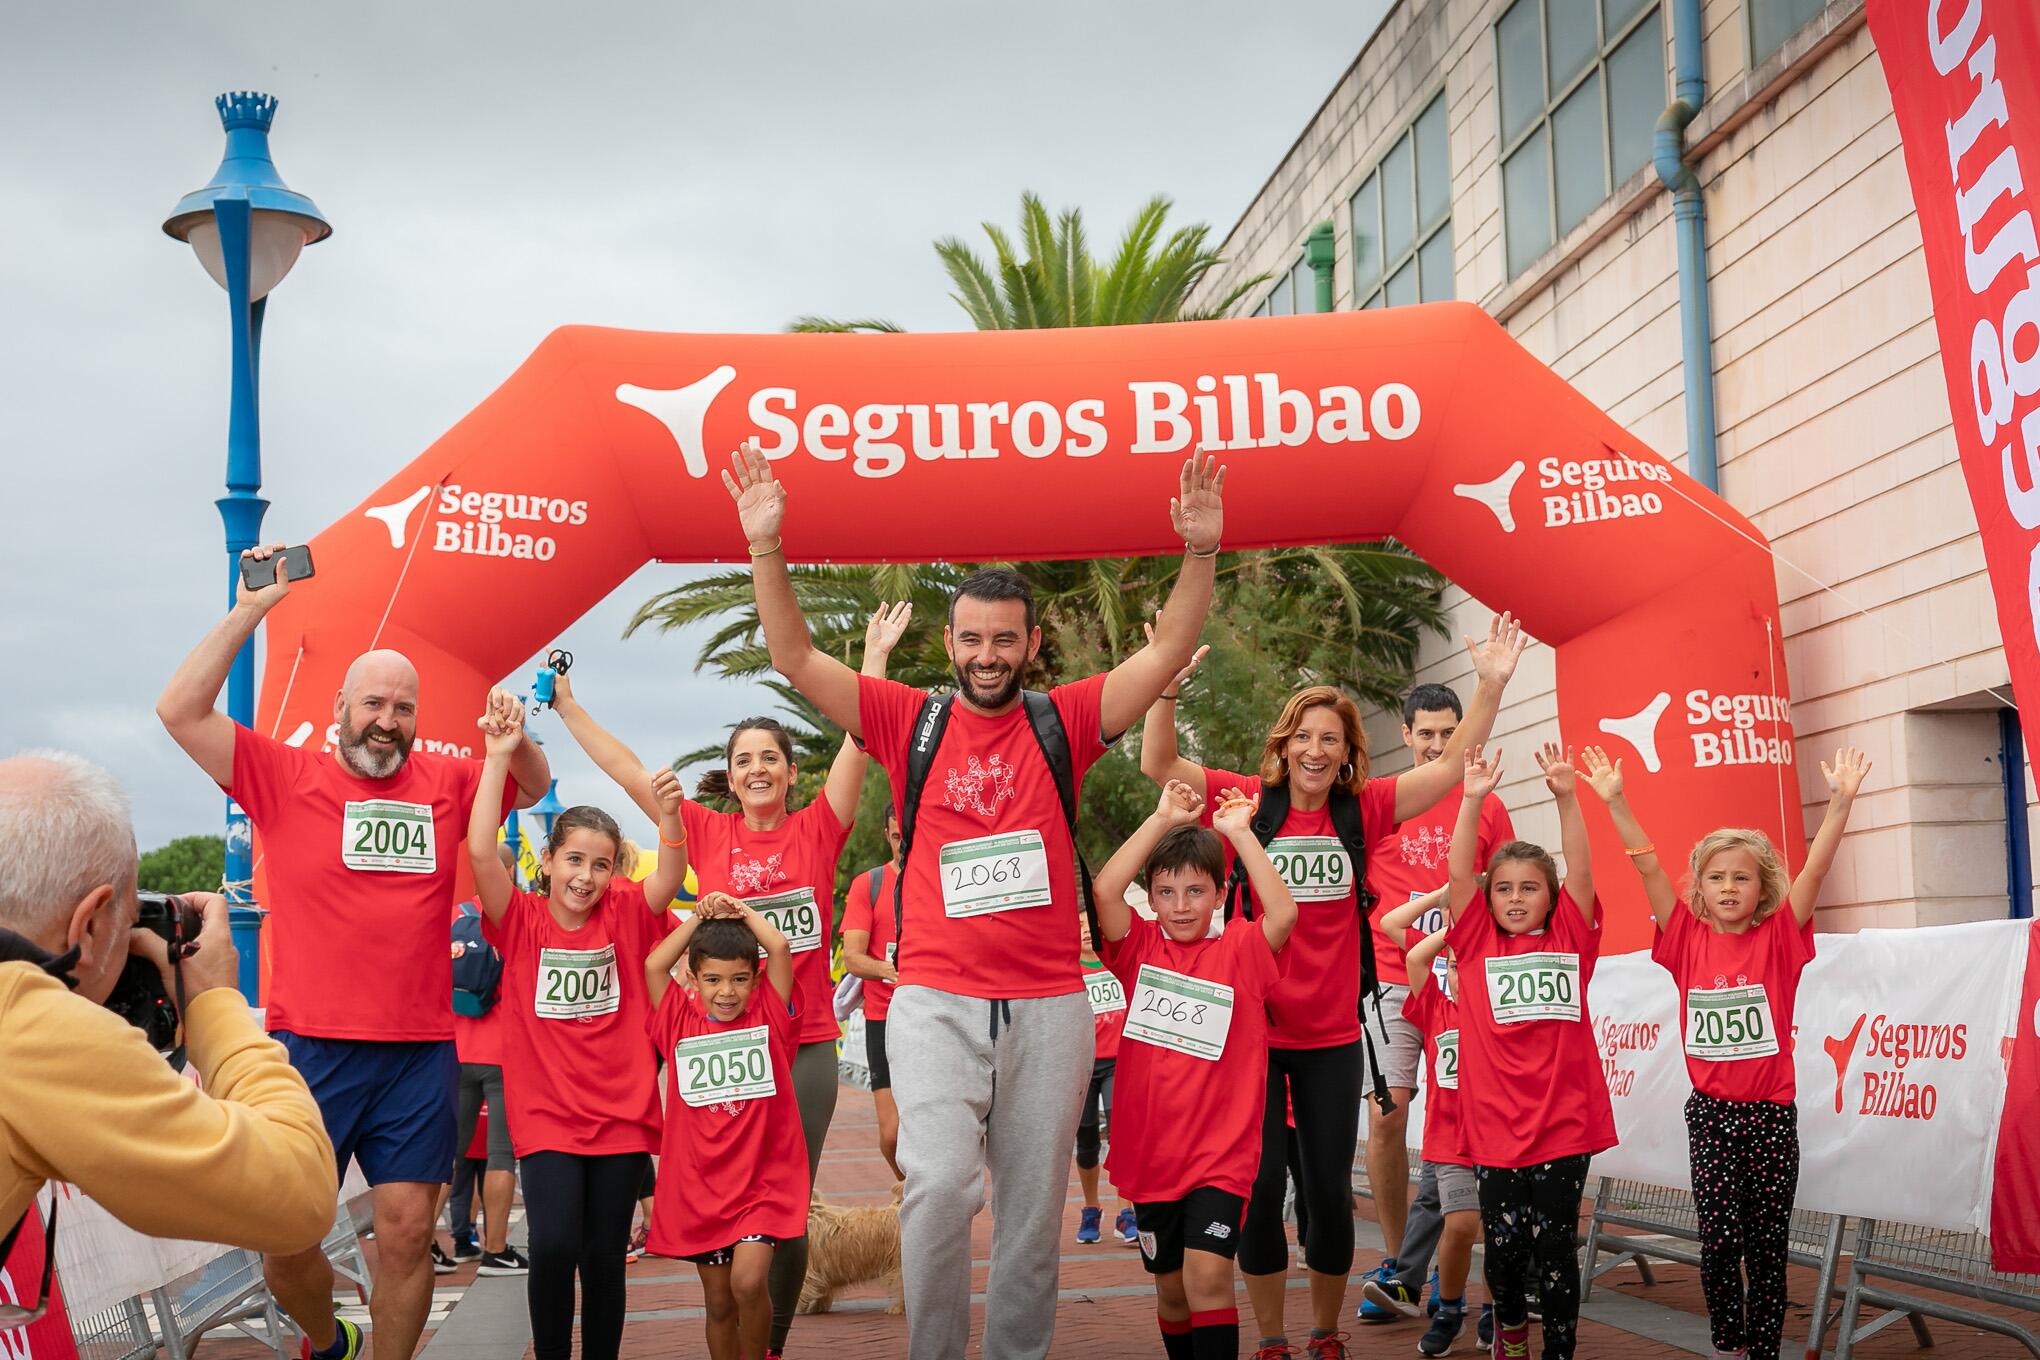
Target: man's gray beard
(367, 761)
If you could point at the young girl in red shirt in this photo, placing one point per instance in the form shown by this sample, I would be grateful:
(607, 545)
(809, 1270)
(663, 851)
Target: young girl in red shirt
(1533, 1102)
(578, 1076)
(1737, 959)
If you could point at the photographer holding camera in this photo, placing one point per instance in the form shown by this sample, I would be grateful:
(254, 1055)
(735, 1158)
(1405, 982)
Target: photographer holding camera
(84, 1097)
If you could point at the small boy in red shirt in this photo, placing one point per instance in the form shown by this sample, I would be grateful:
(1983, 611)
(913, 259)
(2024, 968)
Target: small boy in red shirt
(730, 1113)
(1193, 1054)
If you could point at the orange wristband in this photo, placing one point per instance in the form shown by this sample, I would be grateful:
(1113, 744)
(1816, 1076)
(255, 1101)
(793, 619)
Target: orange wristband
(673, 845)
(1640, 851)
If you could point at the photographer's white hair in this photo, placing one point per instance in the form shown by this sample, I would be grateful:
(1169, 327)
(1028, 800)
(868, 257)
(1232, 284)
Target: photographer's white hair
(66, 827)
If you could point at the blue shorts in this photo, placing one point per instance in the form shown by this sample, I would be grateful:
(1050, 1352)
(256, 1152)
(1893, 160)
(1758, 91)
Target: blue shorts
(389, 1106)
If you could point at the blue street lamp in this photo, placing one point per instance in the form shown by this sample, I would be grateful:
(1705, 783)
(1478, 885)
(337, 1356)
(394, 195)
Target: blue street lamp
(246, 228)
(548, 810)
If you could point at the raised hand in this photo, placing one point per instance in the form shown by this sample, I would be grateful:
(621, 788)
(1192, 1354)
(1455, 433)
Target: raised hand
(1175, 687)
(760, 496)
(1560, 774)
(888, 625)
(666, 790)
(717, 905)
(1180, 804)
(1197, 510)
(1234, 815)
(267, 597)
(502, 725)
(1495, 659)
(1602, 776)
(1846, 775)
(1482, 772)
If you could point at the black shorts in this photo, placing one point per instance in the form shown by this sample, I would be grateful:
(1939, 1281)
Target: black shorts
(723, 1256)
(1203, 1220)
(874, 1055)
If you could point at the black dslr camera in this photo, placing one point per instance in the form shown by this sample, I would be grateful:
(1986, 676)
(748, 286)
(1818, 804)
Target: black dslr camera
(140, 997)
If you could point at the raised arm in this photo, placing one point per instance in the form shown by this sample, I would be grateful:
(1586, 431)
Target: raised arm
(1160, 757)
(187, 708)
(1494, 661)
(1197, 512)
(670, 874)
(1605, 779)
(528, 765)
(778, 953)
(1396, 920)
(846, 773)
(1843, 780)
(501, 735)
(761, 509)
(608, 752)
(1234, 820)
(1562, 778)
(1480, 774)
(1179, 806)
(667, 953)
(1419, 956)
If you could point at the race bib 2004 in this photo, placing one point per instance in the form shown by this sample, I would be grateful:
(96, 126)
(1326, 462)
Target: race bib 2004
(381, 833)
(984, 874)
(721, 1069)
(576, 983)
(1541, 986)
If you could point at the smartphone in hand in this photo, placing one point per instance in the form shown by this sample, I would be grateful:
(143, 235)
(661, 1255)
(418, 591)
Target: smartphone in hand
(295, 563)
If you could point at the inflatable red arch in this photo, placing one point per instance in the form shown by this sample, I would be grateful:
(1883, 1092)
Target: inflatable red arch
(1428, 423)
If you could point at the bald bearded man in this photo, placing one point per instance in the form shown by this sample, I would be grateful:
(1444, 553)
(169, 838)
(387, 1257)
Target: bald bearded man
(359, 846)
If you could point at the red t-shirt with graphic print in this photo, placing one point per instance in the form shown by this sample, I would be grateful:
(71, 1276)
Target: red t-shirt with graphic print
(1317, 1003)
(1409, 861)
(991, 880)
(790, 872)
(1733, 974)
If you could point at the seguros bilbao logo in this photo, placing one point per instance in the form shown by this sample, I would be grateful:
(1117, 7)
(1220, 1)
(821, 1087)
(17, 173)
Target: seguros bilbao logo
(1721, 727)
(1893, 1056)
(509, 524)
(1576, 490)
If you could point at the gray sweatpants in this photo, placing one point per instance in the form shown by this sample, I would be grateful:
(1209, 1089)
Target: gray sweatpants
(1421, 1233)
(985, 1083)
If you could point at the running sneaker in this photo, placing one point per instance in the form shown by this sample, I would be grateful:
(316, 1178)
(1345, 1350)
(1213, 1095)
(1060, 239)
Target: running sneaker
(1433, 1303)
(1485, 1328)
(504, 1262)
(1285, 1351)
(466, 1249)
(1720, 1354)
(1087, 1225)
(1380, 1276)
(1445, 1327)
(1332, 1347)
(1512, 1343)
(348, 1341)
(638, 1237)
(442, 1264)
(1126, 1228)
(1388, 1301)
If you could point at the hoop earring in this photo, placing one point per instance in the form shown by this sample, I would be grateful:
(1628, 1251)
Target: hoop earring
(1346, 773)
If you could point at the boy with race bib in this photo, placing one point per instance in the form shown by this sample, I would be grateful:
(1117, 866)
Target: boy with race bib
(736, 1182)
(1533, 1102)
(1108, 1018)
(1737, 959)
(1193, 1055)
(579, 1078)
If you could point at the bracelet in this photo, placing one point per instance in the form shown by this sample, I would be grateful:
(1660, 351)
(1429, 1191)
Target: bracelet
(673, 845)
(1194, 553)
(768, 551)
(1640, 851)
(1172, 698)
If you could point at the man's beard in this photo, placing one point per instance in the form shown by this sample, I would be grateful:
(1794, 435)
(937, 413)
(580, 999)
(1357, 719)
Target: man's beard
(999, 698)
(368, 761)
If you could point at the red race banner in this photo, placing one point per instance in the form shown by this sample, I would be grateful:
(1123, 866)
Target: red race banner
(49, 1336)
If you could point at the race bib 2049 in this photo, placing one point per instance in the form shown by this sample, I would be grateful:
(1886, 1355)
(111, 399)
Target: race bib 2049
(1728, 1024)
(382, 833)
(576, 983)
(1315, 868)
(795, 915)
(721, 1069)
(1540, 986)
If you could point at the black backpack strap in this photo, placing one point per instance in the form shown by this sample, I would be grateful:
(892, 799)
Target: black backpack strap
(1054, 741)
(873, 878)
(1268, 819)
(1352, 833)
(924, 737)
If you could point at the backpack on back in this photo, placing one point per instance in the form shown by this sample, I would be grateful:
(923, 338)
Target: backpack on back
(477, 965)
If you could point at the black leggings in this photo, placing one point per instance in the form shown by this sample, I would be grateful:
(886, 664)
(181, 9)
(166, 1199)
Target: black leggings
(1530, 1216)
(1097, 1111)
(1324, 1084)
(1745, 1173)
(577, 1213)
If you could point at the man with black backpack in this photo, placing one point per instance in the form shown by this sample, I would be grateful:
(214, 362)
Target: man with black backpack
(989, 1034)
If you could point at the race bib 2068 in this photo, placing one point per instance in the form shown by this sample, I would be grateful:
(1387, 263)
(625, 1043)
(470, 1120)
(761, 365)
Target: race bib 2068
(1175, 1011)
(1005, 872)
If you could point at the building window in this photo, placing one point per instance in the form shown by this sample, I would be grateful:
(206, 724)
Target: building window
(1773, 21)
(1402, 219)
(1294, 292)
(1582, 83)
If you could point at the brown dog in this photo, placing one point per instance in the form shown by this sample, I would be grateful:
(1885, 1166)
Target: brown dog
(851, 1246)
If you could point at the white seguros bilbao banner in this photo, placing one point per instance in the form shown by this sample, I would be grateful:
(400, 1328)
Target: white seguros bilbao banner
(1901, 1043)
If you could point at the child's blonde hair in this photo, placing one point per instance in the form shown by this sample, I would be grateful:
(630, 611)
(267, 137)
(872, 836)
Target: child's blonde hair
(626, 857)
(1772, 880)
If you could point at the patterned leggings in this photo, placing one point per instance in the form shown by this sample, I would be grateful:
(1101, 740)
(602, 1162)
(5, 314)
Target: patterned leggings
(1530, 1216)
(1745, 1170)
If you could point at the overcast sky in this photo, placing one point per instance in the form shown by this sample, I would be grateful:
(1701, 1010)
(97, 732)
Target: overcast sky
(492, 171)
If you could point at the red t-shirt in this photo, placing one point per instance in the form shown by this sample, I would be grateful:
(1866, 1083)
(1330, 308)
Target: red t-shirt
(739, 1165)
(578, 1075)
(1531, 1089)
(1317, 1003)
(1409, 861)
(788, 872)
(988, 784)
(361, 875)
(1738, 991)
(479, 1039)
(1107, 996)
(875, 919)
(1437, 1016)
(1160, 1091)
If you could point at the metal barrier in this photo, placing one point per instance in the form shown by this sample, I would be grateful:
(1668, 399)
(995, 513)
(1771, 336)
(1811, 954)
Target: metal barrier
(1930, 1258)
(1666, 1218)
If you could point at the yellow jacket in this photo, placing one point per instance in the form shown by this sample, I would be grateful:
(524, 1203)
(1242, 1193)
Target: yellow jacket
(84, 1099)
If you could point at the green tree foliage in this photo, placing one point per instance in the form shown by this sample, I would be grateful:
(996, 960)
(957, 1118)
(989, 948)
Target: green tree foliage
(187, 864)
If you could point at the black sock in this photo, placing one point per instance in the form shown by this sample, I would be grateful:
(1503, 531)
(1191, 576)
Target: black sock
(1175, 1338)
(1215, 1334)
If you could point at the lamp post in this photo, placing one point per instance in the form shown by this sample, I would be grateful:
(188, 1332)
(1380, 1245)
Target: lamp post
(246, 227)
(548, 810)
